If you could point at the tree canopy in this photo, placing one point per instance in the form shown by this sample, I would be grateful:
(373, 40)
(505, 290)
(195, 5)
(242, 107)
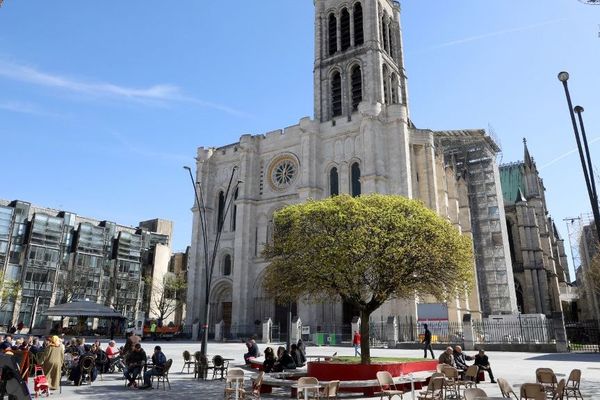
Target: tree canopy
(365, 250)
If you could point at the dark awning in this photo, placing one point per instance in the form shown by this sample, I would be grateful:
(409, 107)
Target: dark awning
(83, 309)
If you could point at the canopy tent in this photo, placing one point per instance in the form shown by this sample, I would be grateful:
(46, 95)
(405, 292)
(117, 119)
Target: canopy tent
(83, 309)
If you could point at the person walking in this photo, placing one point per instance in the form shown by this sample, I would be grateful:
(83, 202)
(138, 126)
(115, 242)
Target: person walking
(153, 327)
(356, 344)
(427, 342)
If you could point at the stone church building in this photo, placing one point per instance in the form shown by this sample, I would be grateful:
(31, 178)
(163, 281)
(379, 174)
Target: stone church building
(360, 140)
(537, 251)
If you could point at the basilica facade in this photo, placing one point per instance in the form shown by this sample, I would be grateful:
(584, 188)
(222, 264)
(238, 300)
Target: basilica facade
(360, 140)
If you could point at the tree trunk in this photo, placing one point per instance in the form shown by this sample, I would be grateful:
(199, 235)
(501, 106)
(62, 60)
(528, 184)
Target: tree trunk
(365, 350)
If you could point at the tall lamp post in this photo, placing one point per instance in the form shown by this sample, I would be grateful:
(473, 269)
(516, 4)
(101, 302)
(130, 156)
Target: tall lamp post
(210, 258)
(586, 161)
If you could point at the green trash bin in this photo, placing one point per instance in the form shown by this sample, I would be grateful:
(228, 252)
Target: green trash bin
(320, 339)
(331, 339)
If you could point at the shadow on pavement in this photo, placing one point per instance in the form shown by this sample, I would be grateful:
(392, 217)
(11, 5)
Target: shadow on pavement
(574, 357)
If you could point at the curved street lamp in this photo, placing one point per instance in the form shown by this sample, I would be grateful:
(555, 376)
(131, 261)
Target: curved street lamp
(210, 258)
(586, 161)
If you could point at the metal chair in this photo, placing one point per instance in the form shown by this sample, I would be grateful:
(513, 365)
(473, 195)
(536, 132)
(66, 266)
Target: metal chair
(506, 389)
(164, 375)
(201, 366)
(572, 386)
(219, 366)
(559, 392)
(387, 386)
(473, 393)
(187, 361)
(311, 391)
(451, 383)
(547, 378)
(86, 365)
(470, 379)
(435, 388)
(532, 391)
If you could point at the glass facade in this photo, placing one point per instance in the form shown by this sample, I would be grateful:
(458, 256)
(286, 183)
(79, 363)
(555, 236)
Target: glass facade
(57, 257)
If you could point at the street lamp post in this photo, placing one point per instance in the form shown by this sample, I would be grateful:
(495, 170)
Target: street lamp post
(209, 259)
(586, 162)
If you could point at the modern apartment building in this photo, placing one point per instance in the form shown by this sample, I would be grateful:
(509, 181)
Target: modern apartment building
(51, 257)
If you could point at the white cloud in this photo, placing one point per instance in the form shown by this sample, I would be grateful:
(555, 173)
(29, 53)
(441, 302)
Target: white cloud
(155, 94)
(26, 108)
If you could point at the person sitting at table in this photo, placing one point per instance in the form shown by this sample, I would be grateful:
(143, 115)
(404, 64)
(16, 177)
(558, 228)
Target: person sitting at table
(102, 362)
(159, 361)
(460, 359)
(253, 351)
(284, 360)
(447, 357)
(112, 350)
(295, 353)
(301, 350)
(135, 361)
(270, 359)
(52, 358)
(77, 373)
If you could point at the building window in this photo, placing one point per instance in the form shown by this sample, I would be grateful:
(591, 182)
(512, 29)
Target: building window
(334, 188)
(345, 28)
(332, 34)
(336, 94)
(355, 179)
(234, 211)
(384, 35)
(386, 87)
(220, 210)
(390, 40)
(359, 36)
(227, 265)
(356, 77)
(394, 87)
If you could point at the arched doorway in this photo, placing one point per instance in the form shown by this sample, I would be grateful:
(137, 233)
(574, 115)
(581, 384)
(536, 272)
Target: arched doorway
(220, 305)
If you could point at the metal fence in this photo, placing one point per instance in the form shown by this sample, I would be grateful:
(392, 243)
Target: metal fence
(441, 332)
(583, 336)
(527, 331)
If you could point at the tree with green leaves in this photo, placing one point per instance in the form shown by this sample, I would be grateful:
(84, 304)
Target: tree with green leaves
(8, 291)
(365, 250)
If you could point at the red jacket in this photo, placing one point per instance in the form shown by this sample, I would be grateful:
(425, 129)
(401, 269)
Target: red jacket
(356, 339)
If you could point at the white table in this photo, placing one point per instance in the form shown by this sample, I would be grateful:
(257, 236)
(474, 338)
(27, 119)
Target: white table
(306, 387)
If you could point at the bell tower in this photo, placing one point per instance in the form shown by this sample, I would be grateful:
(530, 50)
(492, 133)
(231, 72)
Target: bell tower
(358, 56)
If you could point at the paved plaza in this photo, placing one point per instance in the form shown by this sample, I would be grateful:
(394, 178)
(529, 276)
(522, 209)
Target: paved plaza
(517, 368)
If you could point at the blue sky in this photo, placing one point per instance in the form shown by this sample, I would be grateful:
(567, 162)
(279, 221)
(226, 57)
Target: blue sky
(101, 103)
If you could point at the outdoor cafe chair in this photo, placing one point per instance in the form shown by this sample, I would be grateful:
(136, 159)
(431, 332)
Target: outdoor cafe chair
(506, 389)
(546, 377)
(232, 383)
(559, 392)
(473, 393)
(532, 391)
(435, 388)
(387, 386)
(451, 384)
(87, 364)
(164, 375)
(253, 393)
(572, 386)
(187, 361)
(219, 366)
(331, 390)
(201, 366)
(470, 379)
(312, 390)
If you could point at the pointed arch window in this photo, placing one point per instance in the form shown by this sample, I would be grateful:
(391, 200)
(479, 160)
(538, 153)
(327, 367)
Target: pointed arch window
(384, 31)
(390, 40)
(359, 36)
(355, 179)
(336, 94)
(356, 78)
(334, 187)
(234, 211)
(394, 89)
(220, 210)
(227, 265)
(386, 86)
(345, 28)
(332, 34)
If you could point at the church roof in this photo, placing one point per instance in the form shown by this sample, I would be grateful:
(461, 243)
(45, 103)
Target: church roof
(511, 179)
